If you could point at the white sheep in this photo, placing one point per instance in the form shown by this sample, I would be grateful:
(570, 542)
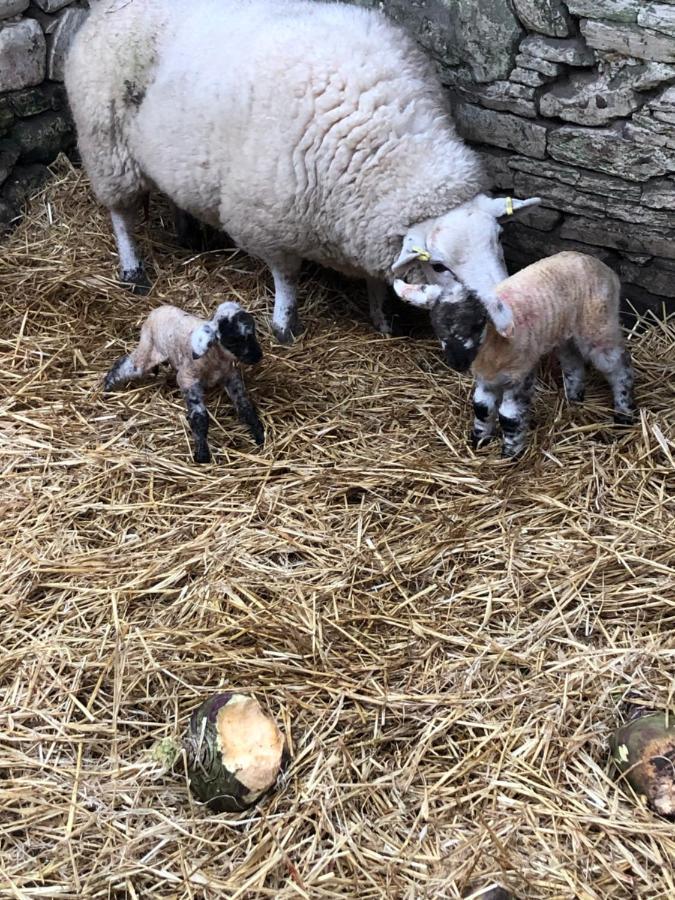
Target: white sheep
(203, 354)
(305, 130)
(568, 302)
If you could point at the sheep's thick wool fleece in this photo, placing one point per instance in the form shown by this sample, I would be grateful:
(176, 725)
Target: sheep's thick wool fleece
(567, 295)
(318, 129)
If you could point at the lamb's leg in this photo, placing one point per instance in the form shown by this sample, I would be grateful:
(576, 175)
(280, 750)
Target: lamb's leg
(198, 418)
(135, 365)
(574, 371)
(485, 402)
(615, 364)
(248, 415)
(285, 322)
(514, 416)
(132, 272)
(377, 296)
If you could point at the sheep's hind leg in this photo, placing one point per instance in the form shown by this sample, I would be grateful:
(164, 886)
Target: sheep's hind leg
(514, 416)
(132, 271)
(377, 296)
(198, 418)
(617, 367)
(485, 402)
(573, 370)
(285, 322)
(246, 411)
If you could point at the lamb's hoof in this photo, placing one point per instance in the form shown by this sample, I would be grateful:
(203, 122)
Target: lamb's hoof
(624, 419)
(258, 435)
(202, 455)
(512, 454)
(108, 384)
(577, 398)
(480, 440)
(136, 280)
(385, 328)
(288, 333)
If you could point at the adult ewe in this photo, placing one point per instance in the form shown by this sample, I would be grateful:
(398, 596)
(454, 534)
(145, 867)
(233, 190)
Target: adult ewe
(304, 130)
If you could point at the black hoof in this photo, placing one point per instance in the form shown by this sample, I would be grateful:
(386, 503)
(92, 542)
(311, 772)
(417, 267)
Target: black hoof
(577, 398)
(259, 437)
(202, 455)
(480, 440)
(108, 384)
(135, 280)
(512, 455)
(624, 419)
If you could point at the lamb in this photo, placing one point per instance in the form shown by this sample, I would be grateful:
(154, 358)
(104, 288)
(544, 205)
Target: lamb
(568, 302)
(203, 354)
(305, 130)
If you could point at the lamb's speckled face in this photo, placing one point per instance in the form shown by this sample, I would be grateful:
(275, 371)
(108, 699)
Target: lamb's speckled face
(458, 318)
(236, 332)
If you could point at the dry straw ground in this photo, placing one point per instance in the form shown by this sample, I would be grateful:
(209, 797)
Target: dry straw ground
(446, 639)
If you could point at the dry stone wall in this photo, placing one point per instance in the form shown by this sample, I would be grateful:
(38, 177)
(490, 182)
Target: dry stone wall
(34, 121)
(575, 102)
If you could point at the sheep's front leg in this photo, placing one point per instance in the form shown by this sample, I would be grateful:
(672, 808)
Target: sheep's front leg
(132, 272)
(485, 402)
(285, 322)
(514, 416)
(246, 411)
(573, 370)
(198, 418)
(377, 296)
(616, 365)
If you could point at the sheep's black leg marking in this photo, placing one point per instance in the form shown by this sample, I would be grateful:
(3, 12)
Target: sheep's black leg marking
(377, 297)
(573, 370)
(121, 372)
(514, 415)
(198, 418)
(285, 322)
(485, 403)
(616, 366)
(248, 415)
(132, 273)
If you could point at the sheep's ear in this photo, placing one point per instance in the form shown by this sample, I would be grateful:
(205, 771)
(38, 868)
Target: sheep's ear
(502, 317)
(507, 206)
(414, 249)
(422, 295)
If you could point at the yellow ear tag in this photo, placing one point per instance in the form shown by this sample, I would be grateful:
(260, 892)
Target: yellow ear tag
(424, 255)
(509, 206)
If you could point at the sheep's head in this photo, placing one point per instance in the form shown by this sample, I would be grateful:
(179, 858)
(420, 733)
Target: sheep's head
(464, 245)
(458, 318)
(236, 332)
(202, 339)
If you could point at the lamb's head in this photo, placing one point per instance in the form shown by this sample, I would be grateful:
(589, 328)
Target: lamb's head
(458, 318)
(236, 332)
(464, 245)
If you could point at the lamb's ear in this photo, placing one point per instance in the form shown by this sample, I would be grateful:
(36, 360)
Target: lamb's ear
(506, 206)
(502, 317)
(422, 295)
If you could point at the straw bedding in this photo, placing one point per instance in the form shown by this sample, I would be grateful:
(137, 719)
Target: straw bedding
(446, 639)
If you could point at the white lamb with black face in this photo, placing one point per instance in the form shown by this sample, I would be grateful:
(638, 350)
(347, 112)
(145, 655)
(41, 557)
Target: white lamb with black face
(568, 303)
(305, 130)
(204, 354)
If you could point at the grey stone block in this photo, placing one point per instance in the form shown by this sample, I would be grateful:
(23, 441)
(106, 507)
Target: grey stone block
(59, 39)
(592, 98)
(647, 131)
(579, 179)
(50, 6)
(574, 51)
(6, 116)
(658, 276)
(550, 69)
(504, 95)
(629, 40)
(487, 36)
(546, 16)
(659, 193)
(501, 130)
(31, 101)
(613, 10)
(9, 154)
(653, 74)
(496, 164)
(528, 77)
(22, 55)
(607, 151)
(12, 7)
(659, 16)
(619, 235)
(42, 137)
